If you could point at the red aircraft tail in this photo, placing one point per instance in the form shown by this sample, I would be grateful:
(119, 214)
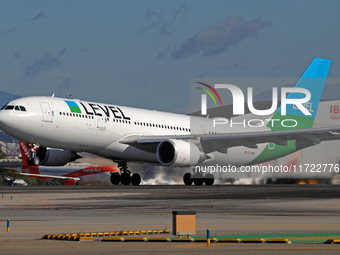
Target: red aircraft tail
(24, 153)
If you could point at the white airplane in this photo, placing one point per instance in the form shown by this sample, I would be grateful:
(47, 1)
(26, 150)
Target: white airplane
(67, 175)
(126, 134)
(13, 182)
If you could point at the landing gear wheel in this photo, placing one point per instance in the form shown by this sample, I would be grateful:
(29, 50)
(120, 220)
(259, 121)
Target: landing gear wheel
(36, 161)
(125, 179)
(187, 179)
(209, 179)
(115, 178)
(135, 179)
(198, 179)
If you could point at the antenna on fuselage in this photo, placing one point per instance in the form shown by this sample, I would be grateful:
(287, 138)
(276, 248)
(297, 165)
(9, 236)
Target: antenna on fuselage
(53, 94)
(70, 96)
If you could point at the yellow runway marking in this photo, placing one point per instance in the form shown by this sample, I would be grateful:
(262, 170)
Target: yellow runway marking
(117, 228)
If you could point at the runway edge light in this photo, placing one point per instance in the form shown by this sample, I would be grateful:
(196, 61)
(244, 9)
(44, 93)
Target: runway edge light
(208, 237)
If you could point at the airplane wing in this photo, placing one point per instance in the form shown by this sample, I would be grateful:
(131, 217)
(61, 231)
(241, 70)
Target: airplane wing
(150, 143)
(213, 142)
(52, 176)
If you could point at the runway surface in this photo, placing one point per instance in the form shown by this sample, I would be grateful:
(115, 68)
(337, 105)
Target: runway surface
(225, 210)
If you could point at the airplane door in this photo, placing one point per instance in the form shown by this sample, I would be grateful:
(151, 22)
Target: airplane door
(46, 112)
(101, 122)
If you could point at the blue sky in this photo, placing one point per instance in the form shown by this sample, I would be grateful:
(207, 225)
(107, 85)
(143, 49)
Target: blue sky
(143, 53)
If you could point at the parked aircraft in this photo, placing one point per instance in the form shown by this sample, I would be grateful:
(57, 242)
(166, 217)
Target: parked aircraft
(13, 182)
(67, 175)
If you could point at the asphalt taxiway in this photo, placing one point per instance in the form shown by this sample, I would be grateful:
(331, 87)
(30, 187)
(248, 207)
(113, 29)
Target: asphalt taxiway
(225, 210)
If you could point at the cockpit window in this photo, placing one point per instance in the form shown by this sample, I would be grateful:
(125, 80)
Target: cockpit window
(17, 108)
(9, 107)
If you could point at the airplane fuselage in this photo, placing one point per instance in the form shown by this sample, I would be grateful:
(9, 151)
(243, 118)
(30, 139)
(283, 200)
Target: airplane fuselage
(96, 128)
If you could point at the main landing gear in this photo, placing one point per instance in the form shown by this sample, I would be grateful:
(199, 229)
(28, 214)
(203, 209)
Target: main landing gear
(198, 179)
(33, 159)
(125, 177)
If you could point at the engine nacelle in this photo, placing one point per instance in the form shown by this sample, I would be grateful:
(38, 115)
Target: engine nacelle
(84, 180)
(71, 182)
(55, 157)
(173, 152)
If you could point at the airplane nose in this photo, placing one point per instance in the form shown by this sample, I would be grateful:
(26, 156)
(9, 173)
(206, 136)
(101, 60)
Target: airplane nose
(6, 122)
(2, 119)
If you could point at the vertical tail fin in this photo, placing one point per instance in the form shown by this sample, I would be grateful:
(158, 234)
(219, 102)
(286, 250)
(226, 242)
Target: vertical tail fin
(313, 80)
(4, 178)
(24, 153)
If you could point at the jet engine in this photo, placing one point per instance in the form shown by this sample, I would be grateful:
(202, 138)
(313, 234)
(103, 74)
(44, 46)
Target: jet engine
(180, 153)
(55, 157)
